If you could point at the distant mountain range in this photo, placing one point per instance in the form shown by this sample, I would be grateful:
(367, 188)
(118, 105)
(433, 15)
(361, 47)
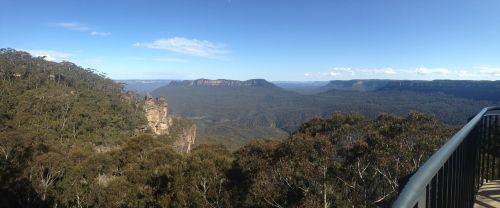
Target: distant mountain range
(305, 88)
(223, 83)
(142, 86)
(355, 85)
(477, 90)
(231, 110)
(234, 112)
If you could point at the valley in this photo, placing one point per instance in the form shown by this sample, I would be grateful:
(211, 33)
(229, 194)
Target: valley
(235, 112)
(249, 104)
(206, 143)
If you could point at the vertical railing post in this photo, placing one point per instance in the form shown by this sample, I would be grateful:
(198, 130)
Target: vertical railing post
(488, 148)
(497, 142)
(454, 179)
(433, 192)
(422, 199)
(483, 149)
(478, 137)
(496, 149)
(471, 158)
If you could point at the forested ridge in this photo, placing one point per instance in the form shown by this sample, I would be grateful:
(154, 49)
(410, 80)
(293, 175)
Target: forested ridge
(70, 137)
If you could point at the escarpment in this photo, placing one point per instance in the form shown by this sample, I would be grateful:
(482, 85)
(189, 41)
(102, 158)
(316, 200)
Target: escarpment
(179, 132)
(223, 83)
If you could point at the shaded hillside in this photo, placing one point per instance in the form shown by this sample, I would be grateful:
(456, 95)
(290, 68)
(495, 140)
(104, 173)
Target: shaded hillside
(448, 108)
(477, 90)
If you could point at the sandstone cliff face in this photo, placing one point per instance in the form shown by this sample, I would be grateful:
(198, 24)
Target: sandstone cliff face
(181, 133)
(157, 114)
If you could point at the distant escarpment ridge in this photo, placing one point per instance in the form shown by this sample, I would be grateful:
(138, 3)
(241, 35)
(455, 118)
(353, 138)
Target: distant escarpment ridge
(356, 84)
(223, 83)
(386, 84)
(477, 90)
(471, 89)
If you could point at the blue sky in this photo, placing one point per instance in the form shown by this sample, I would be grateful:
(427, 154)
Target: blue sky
(297, 40)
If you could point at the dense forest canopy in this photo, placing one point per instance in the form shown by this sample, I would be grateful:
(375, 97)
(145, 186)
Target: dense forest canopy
(68, 138)
(61, 102)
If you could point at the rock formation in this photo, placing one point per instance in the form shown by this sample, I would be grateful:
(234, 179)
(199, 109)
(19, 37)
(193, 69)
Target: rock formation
(157, 114)
(181, 131)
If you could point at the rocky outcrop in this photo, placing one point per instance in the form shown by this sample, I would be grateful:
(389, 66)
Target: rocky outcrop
(222, 83)
(181, 132)
(185, 140)
(156, 111)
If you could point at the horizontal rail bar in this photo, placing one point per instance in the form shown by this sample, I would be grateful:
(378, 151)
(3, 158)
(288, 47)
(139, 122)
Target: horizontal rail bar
(417, 184)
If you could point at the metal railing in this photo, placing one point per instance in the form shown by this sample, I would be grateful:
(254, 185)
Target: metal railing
(454, 174)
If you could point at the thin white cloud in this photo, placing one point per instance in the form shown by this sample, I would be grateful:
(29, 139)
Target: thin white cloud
(432, 71)
(347, 71)
(387, 70)
(80, 27)
(340, 71)
(476, 73)
(102, 34)
(160, 59)
(194, 47)
(49, 54)
(170, 59)
(72, 26)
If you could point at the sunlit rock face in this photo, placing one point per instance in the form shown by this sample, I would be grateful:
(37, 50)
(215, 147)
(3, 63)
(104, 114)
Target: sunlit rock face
(156, 111)
(160, 123)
